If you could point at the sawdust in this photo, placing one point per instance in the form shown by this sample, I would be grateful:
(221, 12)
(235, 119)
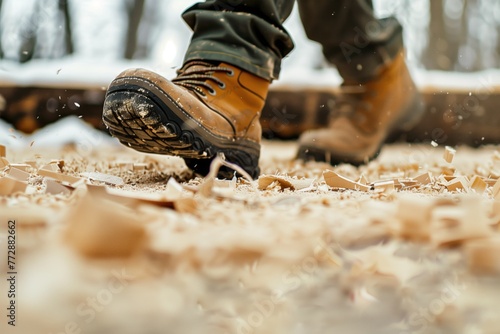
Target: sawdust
(122, 242)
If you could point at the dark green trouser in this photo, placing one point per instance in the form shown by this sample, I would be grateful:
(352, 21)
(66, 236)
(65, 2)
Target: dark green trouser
(249, 34)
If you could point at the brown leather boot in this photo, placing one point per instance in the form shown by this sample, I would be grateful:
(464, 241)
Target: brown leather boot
(207, 109)
(366, 115)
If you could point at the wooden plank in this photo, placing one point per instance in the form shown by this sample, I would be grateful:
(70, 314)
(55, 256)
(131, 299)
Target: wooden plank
(451, 117)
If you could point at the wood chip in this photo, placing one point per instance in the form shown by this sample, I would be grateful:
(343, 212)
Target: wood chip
(453, 225)
(166, 199)
(3, 151)
(4, 162)
(9, 186)
(362, 179)
(449, 154)
(174, 189)
(478, 184)
(32, 163)
(448, 170)
(23, 167)
(67, 180)
(384, 186)
(18, 174)
(55, 188)
(230, 184)
(405, 183)
(425, 178)
(389, 176)
(59, 163)
(414, 214)
(126, 165)
(335, 180)
(186, 205)
(482, 256)
(496, 190)
(105, 178)
(140, 166)
(51, 167)
(98, 227)
(285, 182)
(457, 183)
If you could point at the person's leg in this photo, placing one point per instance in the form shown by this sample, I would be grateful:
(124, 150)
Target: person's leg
(213, 105)
(353, 39)
(379, 97)
(248, 34)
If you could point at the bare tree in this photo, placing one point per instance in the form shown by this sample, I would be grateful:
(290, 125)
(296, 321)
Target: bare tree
(29, 36)
(1, 50)
(437, 44)
(68, 38)
(135, 10)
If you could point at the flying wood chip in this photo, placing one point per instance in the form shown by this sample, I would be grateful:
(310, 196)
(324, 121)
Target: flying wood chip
(449, 154)
(335, 180)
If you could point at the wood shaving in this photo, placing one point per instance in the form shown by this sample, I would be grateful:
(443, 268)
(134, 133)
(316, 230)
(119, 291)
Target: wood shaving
(284, 182)
(105, 178)
(107, 230)
(4, 162)
(335, 180)
(18, 174)
(10, 186)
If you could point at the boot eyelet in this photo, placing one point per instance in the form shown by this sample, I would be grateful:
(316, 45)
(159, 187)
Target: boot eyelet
(222, 85)
(230, 73)
(212, 92)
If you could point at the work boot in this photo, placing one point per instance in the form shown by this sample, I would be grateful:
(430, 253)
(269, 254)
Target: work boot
(365, 116)
(208, 109)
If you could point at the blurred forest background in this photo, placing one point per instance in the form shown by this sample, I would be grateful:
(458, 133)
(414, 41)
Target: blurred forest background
(449, 35)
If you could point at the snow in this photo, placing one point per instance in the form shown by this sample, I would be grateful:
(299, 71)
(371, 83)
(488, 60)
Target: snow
(68, 130)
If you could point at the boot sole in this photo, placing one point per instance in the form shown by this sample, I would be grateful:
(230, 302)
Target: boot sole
(142, 116)
(410, 117)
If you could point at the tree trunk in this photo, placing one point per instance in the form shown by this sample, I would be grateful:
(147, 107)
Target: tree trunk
(68, 37)
(434, 56)
(1, 50)
(135, 11)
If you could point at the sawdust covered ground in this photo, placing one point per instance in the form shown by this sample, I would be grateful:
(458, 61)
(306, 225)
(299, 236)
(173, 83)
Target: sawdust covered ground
(412, 248)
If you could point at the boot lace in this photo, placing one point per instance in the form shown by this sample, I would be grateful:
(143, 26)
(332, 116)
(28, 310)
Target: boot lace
(199, 74)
